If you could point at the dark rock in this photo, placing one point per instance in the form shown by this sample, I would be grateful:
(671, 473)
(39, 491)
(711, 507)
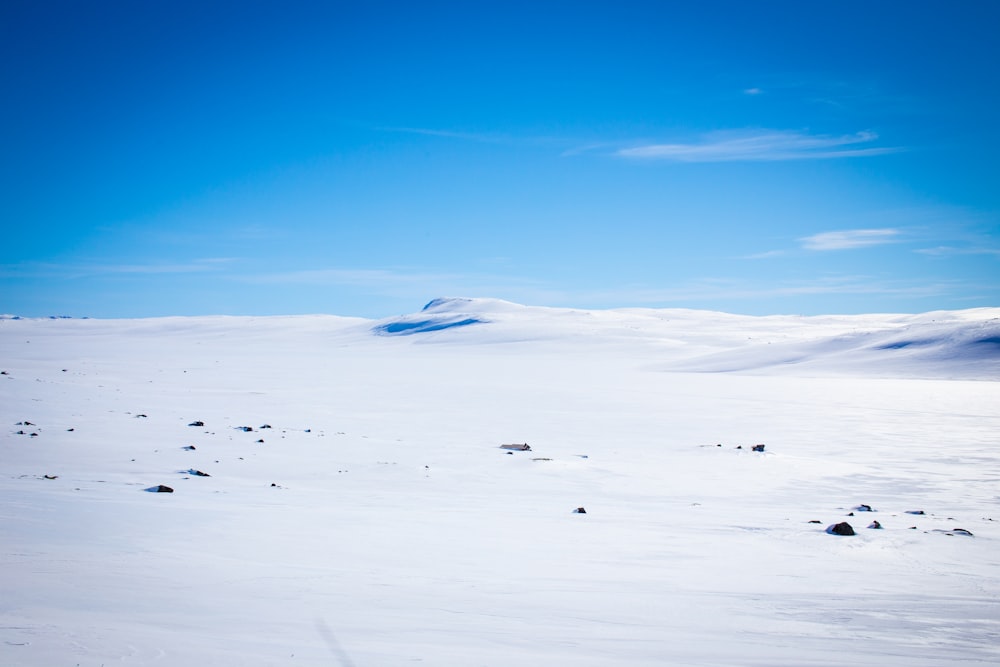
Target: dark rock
(27, 423)
(245, 429)
(160, 488)
(875, 525)
(517, 448)
(758, 448)
(863, 508)
(20, 433)
(579, 510)
(142, 416)
(842, 528)
(850, 514)
(261, 441)
(51, 476)
(739, 446)
(961, 531)
(189, 448)
(815, 521)
(70, 430)
(265, 426)
(198, 473)
(917, 512)
(198, 423)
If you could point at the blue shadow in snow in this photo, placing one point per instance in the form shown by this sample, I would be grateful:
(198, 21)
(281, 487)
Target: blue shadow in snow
(423, 326)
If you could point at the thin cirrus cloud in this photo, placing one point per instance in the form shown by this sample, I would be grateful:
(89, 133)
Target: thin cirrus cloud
(849, 238)
(949, 251)
(761, 146)
(84, 270)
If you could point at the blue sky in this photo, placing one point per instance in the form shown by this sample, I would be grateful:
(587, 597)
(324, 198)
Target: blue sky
(174, 158)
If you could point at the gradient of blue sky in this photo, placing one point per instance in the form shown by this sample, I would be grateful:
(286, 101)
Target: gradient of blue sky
(165, 158)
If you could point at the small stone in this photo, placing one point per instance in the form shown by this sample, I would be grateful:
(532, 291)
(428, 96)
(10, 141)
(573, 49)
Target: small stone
(842, 528)
(815, 521)
(961, 531)
(198, 473)
(517, 448)
(579, 510)
(917, 512)
(864, 508)
(758, 448)
(160, 488)
(189, 448)
(51, 476)
(197, 423)
(875, 525)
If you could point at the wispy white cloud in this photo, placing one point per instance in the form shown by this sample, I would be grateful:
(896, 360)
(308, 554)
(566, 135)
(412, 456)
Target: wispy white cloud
(850, 238)
(753, 91)
(81, 270)
(406, 282)
(334, 276)
(949, 251)
(761, 145)
(481, 137)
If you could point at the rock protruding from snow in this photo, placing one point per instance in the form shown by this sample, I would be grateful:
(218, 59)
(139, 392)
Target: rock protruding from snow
(842, 528)
(160, 488)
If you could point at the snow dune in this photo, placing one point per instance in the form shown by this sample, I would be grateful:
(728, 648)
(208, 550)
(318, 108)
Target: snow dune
(358, 509)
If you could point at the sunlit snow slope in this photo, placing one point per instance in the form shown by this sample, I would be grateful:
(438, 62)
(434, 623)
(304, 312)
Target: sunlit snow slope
(357, 506)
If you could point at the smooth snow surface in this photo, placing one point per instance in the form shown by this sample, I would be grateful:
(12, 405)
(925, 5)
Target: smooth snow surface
(381, 523)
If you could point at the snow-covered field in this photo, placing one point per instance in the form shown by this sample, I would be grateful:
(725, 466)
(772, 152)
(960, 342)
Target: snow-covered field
(378, 521)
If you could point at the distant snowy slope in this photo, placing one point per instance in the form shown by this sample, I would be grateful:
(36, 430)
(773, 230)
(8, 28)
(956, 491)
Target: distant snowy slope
(960, 344)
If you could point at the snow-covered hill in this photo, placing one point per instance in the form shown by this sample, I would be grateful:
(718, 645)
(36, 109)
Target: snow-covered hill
(956, 344)
(357, 507)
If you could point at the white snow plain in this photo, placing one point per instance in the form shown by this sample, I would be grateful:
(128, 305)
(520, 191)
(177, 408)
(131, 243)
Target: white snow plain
(379, 522)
